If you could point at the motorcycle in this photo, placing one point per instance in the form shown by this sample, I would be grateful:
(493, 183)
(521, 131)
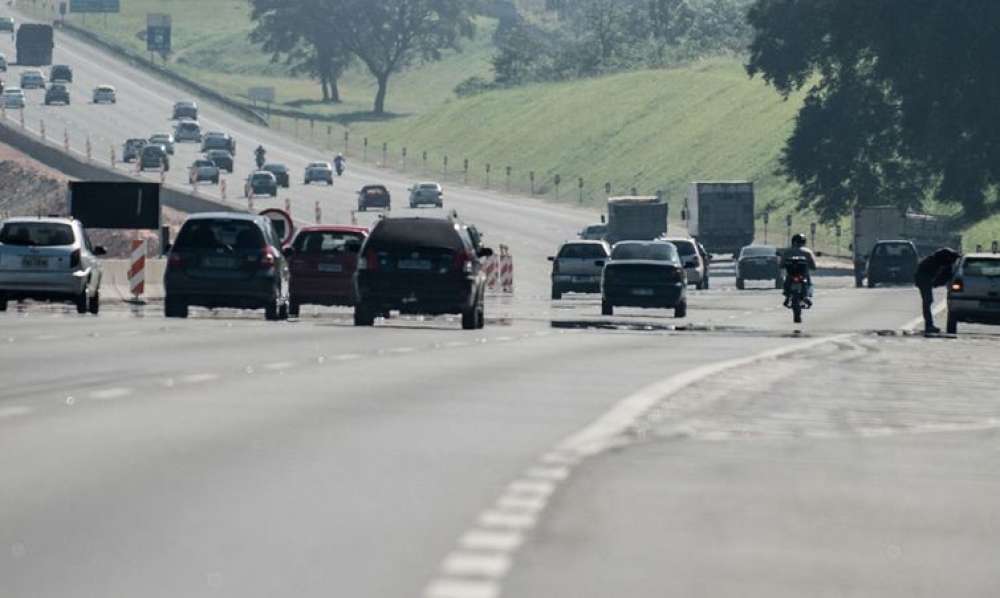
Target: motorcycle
(340, 168)
(261, 158)
(798, 286)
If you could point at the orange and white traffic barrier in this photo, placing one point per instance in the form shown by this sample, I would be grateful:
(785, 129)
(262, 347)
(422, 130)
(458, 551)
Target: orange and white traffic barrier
(66, 139)
(506, 270)
(222, 189)
(319, 214)
(137, 269)
(288, 206)
(493, 273)
(250, 202)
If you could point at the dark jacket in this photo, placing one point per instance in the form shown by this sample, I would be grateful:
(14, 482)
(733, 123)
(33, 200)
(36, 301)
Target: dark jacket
(937, 269)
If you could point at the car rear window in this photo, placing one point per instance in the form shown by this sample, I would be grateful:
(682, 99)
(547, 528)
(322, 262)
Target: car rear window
(685, 248)
(645, 251)
(985, 267)
(894, 250)
(404, 233)
(219, 233)
(759, 252)
(431, 187)
(36, 234)
(206, 163)
(582, 251)
(325, 242)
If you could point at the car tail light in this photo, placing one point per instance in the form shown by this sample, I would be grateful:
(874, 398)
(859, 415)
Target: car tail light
(369, 262)
(463, 262)
(957, 286)
(175, 260)
(74, 259)
(268, 259)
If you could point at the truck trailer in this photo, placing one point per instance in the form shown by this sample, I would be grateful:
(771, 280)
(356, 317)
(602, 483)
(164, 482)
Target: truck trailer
(720, 215)
(636, 218)
(34, 44)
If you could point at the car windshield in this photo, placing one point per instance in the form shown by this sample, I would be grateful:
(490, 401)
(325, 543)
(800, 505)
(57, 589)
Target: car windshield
(685, 248)
(205, 163)
(645, 251)
(758, 252)
(261, 178)
(429, 187)
(582, 251)
(318, 165)
(985, 267)
(36, 234)
(188, 126)
(894, 250)
(219, 233)
(325, 242)
(275, 168)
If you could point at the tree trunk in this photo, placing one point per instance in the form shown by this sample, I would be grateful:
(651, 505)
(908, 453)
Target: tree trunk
(383, 89)
(324, 82)
(334, 89)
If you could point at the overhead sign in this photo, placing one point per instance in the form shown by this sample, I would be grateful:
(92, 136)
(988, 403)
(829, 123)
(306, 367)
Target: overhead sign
(116, 205)
(261, 94)
(158, 33)
(104, 6)
(282, 223)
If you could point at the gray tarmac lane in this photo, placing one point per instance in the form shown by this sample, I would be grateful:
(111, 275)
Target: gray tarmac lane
(349, 477)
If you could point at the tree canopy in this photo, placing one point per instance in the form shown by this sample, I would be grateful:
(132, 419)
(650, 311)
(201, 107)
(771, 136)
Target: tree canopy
(902, 99)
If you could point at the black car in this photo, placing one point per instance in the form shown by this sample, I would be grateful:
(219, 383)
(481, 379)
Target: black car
(374, 196)
(57, 94)
(759, 262)
(61, 72)
(280, 172)
(132, 149)
(226, 259)
(893, 262)
(222, 158)
(261, 182)
(214, 140)
(644, 274)
(188, 110)
(153, 157)
(421, 266)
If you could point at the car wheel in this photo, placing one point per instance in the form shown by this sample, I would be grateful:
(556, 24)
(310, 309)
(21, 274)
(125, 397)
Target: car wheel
(283, 310)
(871, 283)
(440, 205)
(81, 302)
(859, 281)
(952, 326)
(481, 315)
(271, 313)
(94, 305)
(274, 194)
(681, 310)
(293, 309)
(556, 294)
(779, 283)
(3, 302)
(330, 182)
(607, 309)
(740, 284)
(175, 309)
(470, 317)
(707, 284)
(363, 315)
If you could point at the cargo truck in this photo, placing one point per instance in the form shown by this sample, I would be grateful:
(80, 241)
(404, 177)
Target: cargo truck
(635, 218)
(34, 45)
(890, 223)
(720, 215)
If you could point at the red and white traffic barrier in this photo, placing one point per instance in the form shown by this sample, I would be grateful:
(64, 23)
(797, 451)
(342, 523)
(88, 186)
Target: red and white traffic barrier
(493, 273)
(137, 269)
(222, 189)
(288, 206)
(506, 271)
(319, 214)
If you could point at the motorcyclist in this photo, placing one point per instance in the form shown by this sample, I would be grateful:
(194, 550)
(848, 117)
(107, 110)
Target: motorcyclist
(799, 249)
(261, 154)
(339, 163)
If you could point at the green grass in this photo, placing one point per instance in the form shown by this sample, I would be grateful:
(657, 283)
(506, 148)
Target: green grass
(212, 47)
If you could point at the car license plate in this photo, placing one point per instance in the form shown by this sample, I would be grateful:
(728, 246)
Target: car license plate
(218, 262)
(795, 287)
(330, 268)
(414, 264)
(643, 292)
(34, 261)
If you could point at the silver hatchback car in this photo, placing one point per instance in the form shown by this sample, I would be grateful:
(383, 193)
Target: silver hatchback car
(974, 292)
(577, 267)
(49, 259)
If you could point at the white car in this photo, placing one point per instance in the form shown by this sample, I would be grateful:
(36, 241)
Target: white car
(319, 171)
(204, 170)
(694, 265)
(32, 79)
(49, 259)
(974, 292)
(105, 94)
(426, 194)
(13, 98)
(164, 139)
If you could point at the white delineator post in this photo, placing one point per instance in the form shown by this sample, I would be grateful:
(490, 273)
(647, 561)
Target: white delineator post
(137, 269)
(288, 206)
(222, 188)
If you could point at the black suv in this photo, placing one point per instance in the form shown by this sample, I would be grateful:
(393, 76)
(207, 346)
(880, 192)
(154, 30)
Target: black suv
(132, 148)
(227, 259)
(153, 157)
(893, 262)
(57, 93)
(61, 72)
(421, 266)
(222, 158)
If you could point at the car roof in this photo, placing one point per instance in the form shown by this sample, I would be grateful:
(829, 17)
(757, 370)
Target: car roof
(184, 103)
(218, 150)
(584, 242)
(226, 216)
(262, 173)
(893, 242)
(160, 135)
(46, 219)
(428, 183)
(332, 228)
(319, 164)
(677, 240)
(216, 134)
(374, 186)
(274, 165)
(416, 230)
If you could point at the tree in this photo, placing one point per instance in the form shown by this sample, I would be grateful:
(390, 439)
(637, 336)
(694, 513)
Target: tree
(388, 35)
(902, 99)
(300, 31)
(668, 21)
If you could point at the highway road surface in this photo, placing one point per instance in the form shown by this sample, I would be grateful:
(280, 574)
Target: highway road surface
(555, 453)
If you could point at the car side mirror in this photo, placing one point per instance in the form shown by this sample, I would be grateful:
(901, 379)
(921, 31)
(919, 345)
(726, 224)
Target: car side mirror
(485, 252)
(551, 258)
(352, 247)
(100, 251)
(819, 254)
(599, 263)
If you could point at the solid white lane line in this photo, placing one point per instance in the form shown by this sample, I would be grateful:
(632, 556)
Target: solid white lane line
(478, 539)
(198, 378)
(459, 588)
(346, 357)
(110, 393)
(14, 411)
(279, 365)
(476, 564)
(402, 350)
(507, 520)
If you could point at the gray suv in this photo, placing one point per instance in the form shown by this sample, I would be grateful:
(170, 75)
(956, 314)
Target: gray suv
(49, 259)
(577, 267)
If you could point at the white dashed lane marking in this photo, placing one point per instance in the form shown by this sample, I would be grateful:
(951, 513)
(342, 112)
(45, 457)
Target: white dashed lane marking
(458, 588)
(110, 393)
(476, 564)
(14, 411)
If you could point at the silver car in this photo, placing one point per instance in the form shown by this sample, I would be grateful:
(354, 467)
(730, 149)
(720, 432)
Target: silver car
(204, 169)
(694, 265)
(577, 267)
(49, 259)
(974, 292)
(164, 139)
(32, 80)
(105, 94)
(187, 130)
(13, 98)
(426, 194)
(319, 171)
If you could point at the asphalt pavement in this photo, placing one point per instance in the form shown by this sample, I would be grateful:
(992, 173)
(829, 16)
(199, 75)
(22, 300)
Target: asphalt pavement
(555, 453)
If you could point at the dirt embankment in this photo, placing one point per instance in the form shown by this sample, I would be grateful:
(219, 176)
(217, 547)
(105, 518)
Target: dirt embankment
(29, 188)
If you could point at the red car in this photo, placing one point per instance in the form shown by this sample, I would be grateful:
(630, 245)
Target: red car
(322, 260)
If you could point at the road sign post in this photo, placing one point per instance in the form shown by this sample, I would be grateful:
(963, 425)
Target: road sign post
(558, 180)
(158, 33)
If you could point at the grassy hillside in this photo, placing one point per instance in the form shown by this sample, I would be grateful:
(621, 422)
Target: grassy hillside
(212, 47)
